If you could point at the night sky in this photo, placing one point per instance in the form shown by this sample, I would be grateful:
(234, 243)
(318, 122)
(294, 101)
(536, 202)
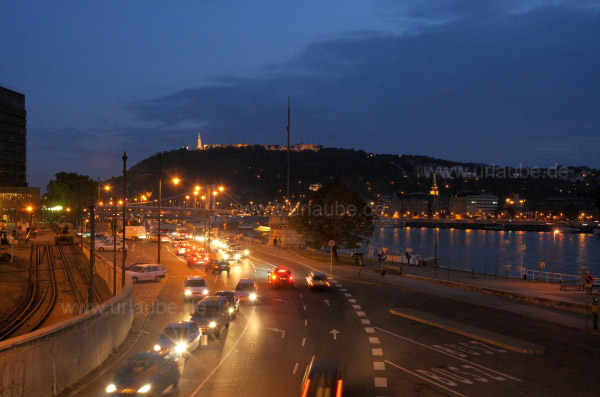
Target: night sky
(502, 82)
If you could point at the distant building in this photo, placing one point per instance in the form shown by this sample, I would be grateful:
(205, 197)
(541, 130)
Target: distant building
(199, 146)
(15, 195)
(13, 138)
(479, 205)
(300, 147)
(315, 186)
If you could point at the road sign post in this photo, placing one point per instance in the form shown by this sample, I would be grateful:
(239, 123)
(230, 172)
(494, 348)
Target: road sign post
(331, 245)
(595, 313)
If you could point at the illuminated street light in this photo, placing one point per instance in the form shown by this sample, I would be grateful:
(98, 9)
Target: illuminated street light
(107, 188)
(221, 188)
(197, 188)
(176, 181)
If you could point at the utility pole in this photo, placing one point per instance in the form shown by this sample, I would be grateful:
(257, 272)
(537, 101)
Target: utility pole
(92, 254)
(124, 217)
(288, 156)
(435, 255)
(114, 233)
(159, 202)
(209, 202)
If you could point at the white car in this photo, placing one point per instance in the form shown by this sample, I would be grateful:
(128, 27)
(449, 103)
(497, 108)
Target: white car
(108, 245)
(195, 288)
(146, 273)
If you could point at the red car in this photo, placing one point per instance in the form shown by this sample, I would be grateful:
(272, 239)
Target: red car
(281, 277)
(196, 260)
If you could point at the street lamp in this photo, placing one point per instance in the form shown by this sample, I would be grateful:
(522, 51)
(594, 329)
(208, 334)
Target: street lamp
(30, 210)
(556, 231)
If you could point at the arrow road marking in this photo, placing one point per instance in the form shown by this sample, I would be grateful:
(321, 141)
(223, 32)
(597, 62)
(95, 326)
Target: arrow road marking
(326, 301)
(334, 332)
(277, 330)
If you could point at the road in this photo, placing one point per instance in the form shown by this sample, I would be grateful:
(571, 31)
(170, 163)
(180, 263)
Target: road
(266, 349)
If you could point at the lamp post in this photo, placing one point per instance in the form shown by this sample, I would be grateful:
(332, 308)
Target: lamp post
(159, 203)
(124, 215)
(556, 231)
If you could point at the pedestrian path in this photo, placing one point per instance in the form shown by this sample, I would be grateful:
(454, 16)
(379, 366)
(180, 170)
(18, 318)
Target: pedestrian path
(454, 291)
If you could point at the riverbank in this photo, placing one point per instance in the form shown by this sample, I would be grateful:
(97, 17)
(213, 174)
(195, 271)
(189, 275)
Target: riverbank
(506, 225)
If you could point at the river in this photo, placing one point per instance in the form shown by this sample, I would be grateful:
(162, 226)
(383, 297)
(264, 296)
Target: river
(488, 250)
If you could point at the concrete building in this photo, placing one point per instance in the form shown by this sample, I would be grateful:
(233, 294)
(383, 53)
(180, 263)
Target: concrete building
(13, 139)
(480, 205)
(15, 195)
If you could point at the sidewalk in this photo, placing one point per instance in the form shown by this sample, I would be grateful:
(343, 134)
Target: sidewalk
(535, 300)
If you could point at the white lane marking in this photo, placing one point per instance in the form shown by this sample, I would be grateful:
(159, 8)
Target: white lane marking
(295, 369)
(425, 379)
(226, 355)
(301, 296)
(370, 330)
(365, 321)
(347, 295)
(378, 366)
(305, 322)
(360, 314)
(339, 285)
(356, 307)
(447, 354)
(352, 300)
(343, 290)
(304, 307)
(216, 278)
(380, 382)
(377, 352)
(303, 341)
(374, 340)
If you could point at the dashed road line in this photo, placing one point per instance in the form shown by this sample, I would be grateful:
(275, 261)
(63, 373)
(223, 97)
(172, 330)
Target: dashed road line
(295, 369)
(347, 295)
(360, 314)
(380, 382)
(352, 300)
(378, 366)
(365, 321)
(370, 330)
(343, 290)
(304, 307)
(356, 307)
(377, 352)
(305, 322)
(303, 341)
(374, 340)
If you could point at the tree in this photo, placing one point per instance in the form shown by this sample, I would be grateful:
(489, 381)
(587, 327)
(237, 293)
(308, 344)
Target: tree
(71, 190)
(334, 212)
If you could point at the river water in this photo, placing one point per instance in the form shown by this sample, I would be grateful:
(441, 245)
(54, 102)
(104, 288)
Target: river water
(486, 250)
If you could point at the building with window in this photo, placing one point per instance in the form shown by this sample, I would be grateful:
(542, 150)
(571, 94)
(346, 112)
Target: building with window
(474, 205)
(15, 195)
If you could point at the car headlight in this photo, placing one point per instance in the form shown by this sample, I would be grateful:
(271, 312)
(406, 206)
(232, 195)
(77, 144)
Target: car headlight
(157, 347)
(188, 292)
(212, 324)
(111, 388)
(144, 389)
(246, 252)
(237, 257)
(180, 347)
(252, 296)
(231, 310)
(225, 256)
(205, 292)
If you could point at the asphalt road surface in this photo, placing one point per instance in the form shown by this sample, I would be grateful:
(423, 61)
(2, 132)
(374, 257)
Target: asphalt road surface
(269, 344)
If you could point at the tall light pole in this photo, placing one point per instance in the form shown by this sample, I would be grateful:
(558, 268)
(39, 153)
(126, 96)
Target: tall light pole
(554, 251)
(159, 203)
(288, 155)
(124, 217)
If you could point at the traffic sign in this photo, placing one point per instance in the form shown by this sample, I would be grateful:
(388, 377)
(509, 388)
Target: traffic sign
(331, 243)
(589, 280)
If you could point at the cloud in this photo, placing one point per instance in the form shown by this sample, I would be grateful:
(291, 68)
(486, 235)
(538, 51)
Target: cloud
(473, 88)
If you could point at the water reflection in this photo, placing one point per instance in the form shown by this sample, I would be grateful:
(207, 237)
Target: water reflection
(490, 249)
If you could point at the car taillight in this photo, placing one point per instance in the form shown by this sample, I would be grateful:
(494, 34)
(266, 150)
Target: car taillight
(340, 384)
(305, 389)
(291, 277)
(327, 283)
(273, 277)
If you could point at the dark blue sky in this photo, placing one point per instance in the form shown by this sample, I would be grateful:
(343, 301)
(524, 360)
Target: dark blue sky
(503, 82)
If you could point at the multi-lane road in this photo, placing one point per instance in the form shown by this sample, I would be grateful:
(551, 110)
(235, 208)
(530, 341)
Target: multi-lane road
(267, 347)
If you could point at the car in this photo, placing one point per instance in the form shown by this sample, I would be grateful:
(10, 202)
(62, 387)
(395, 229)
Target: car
(212, 315)
(316, 280)
(323, 377)
(280, 277)
(182, 249)
(244, 252)
(220, 266)
(234, 255)
(247, 290)
(181, 338)
(146, 373)
(194, 288)
(154, 237)
(128, 267)
(147, 272)
(196, 260)
(107, 244)
(234, 302)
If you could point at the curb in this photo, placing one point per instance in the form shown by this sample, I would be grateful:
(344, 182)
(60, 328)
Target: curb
(492, 338)
(560, 305)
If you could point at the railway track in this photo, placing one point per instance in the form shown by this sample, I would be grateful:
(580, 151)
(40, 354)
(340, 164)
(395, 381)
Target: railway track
(80, 276)
(40, 298)
(75, 290)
